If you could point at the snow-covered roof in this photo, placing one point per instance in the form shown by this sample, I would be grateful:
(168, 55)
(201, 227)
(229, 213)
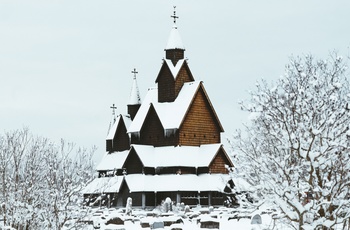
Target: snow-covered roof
(104, 185)
(113, 129)
(134, 94)
(185, 182)
(174, 40)
(111, 161)
(170, 156)
(170, 114)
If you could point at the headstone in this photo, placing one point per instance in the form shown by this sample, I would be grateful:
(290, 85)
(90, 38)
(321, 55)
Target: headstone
(256, 219)
(157, 224)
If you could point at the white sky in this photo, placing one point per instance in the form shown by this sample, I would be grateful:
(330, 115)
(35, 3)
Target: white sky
(64, 63)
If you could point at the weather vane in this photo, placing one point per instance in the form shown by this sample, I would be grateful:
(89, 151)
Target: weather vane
(134, 72)
(174, 16)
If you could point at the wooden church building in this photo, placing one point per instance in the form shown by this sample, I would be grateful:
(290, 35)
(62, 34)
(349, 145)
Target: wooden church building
(167, 146)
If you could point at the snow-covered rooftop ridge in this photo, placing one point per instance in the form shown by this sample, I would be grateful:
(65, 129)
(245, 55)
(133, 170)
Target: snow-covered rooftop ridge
(174, 40)
(135, 98)
(172, 182)
(172, 156)
(174, 69)
(112, 161)
(170, 114)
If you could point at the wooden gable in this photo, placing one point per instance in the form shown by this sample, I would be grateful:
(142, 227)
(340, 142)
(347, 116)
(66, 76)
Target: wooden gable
(217, 165)
(166, 84)
(200, 124)
(152, 131)
(169, 86)
(183, 76)
(121, 140)
(133, 163)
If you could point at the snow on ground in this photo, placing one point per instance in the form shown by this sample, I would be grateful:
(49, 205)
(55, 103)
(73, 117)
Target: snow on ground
(220, 218)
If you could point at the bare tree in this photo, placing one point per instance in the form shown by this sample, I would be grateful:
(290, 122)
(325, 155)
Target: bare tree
(295, 151)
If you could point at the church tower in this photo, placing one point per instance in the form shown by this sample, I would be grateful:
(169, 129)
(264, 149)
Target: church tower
(175, 71)
(167, 146)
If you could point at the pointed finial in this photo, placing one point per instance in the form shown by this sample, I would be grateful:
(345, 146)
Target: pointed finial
(134, 72)
(113, 107)
(174, 16)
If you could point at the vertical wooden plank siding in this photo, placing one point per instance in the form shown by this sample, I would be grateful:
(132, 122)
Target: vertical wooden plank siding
(199, 126)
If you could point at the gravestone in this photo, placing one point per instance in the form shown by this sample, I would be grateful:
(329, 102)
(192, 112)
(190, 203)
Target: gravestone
(256, 219)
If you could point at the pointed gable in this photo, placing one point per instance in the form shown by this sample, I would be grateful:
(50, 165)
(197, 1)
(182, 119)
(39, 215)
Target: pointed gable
(133, 163)
(171, 79)
(220, 161)
(118, 138)
(201, 124)
(166, 84)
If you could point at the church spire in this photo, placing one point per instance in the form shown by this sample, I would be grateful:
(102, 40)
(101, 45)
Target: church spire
(135, 94)
(135, 100)
(174, 49)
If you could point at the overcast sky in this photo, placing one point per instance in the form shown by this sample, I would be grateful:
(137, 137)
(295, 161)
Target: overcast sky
(63, 63)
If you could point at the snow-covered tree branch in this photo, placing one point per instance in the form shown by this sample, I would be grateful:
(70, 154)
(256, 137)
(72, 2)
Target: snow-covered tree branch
(295, 151)
(40, 180)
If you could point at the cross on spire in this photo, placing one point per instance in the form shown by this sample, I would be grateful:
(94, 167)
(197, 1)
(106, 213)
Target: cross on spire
(134, 72)
(174, 16)
(113, 107)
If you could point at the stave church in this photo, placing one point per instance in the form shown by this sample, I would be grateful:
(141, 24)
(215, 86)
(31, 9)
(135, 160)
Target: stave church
(168, 145)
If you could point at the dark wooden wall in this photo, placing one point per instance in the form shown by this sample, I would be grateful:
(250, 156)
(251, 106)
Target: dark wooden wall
(152, 132)
(166, 84)
(133, 163)
(121, 140)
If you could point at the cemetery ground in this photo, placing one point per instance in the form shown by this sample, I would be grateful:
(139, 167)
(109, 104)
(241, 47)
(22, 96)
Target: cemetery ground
(185, 219)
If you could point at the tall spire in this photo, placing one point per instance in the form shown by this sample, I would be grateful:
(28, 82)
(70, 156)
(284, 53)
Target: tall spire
(174, 41)
(135, 100)
(174, 49)
(135, 94)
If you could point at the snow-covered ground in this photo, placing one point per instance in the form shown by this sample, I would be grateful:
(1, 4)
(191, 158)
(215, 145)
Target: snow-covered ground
(219, 218)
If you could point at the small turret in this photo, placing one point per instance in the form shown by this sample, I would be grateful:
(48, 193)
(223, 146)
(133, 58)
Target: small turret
(135, 100)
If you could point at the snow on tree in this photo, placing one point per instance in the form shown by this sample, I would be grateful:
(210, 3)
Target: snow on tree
(41, 181)
(295, 151)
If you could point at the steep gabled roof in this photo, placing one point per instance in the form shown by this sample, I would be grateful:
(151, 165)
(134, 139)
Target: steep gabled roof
(112, 161)
(170, 156)
(171, 114)
(127, 121)
(168, 183)
(104, 185)
(174, 70)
